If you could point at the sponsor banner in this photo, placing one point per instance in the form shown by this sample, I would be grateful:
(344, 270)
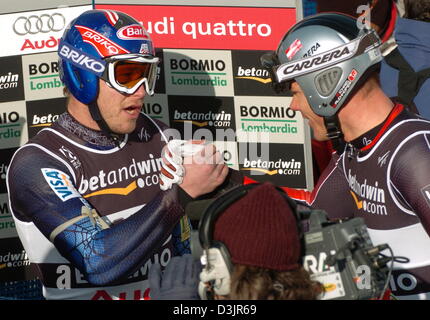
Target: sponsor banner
(7, 225)
(220, 3)
(205, 27)
(250, 78)
(157, 107)
(13, 127)
(268, 119)
(6, 156)
(228, 149)
(198, 72)
(281, 164)
(42, 113)
(41, 79)
(11, 82)
(14, 263)
(35, 31)
(209, 118)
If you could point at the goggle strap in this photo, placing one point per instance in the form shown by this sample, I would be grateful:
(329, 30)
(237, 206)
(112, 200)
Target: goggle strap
(362, 44)
(133, 57)
(80, 59)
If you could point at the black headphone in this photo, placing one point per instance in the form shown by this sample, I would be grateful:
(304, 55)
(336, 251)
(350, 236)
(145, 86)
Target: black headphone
(215, 276)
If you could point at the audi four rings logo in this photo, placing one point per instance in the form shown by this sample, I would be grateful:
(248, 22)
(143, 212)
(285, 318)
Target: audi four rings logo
(44, 23)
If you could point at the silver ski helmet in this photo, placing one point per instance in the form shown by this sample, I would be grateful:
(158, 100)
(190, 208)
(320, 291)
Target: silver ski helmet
(329, 56)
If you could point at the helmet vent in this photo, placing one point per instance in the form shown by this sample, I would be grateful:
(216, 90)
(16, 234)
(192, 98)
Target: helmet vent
(327, 80)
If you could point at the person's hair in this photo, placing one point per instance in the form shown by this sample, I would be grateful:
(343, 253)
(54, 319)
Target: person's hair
(255, 283)
(66, 92)
(417, 10)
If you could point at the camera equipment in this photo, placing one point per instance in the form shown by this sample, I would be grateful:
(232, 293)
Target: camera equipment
(342, 257)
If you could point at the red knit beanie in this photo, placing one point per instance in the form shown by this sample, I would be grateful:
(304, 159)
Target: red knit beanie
(260, 230)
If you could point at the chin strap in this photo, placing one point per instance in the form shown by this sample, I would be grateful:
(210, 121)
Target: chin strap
(334, 133)
(97, 117)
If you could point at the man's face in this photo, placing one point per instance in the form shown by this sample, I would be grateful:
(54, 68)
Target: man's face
(300, 103)
(120, 111)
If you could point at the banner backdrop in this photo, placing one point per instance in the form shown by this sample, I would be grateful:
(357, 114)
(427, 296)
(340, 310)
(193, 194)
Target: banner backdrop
(210, 86)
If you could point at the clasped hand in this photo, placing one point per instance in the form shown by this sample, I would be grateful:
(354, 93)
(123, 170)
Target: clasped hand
(202, 172)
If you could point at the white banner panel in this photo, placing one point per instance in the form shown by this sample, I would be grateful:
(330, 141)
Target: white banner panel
(35, 31)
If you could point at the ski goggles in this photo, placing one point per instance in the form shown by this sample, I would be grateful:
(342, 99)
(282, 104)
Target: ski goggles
(127, 72)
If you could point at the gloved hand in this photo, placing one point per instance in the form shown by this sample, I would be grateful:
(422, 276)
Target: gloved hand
(179, 281)
(173, 154)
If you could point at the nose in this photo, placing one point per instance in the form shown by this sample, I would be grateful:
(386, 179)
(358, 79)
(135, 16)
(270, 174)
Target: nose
(294, 105)
(140, 92)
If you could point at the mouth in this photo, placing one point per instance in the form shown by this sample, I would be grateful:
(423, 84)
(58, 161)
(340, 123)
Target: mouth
(133, 110)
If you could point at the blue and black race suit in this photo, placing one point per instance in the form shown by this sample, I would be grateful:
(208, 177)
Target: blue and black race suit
(90, 214)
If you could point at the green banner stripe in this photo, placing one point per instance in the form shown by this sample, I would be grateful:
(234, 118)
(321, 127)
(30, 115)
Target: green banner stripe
(272, 120)
(9, 125)
(201, 73)
(41, 77)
